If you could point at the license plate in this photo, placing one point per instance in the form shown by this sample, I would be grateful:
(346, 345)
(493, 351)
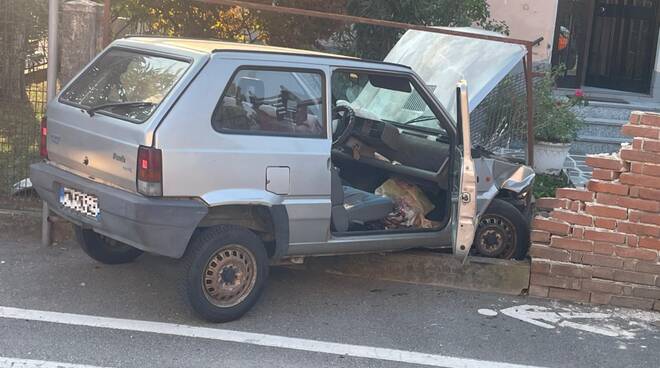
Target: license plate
(79, 202)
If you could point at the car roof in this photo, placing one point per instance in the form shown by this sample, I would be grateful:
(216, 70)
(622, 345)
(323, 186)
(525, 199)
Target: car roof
(201, 46)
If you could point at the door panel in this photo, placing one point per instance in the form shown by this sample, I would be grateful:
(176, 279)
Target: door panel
(570, 41)
(623, 45)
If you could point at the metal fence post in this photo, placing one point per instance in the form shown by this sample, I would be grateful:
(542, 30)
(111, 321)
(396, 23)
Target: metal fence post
(51, 83)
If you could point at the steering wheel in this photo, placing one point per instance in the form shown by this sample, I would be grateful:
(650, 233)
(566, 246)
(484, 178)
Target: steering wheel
(346, 117)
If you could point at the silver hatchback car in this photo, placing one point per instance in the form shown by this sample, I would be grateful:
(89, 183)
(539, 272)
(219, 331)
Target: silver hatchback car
(234, 157)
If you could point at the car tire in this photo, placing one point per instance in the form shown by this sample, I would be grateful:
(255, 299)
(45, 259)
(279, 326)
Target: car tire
(225, 269)
(502, 232)
(105, 250)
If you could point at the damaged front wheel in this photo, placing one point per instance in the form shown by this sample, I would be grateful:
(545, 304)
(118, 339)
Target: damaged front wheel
(502, 232)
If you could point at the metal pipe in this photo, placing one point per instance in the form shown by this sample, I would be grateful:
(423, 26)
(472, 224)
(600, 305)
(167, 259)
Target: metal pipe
(51, 74)
(51, 91)
(353, 19)
(530, 105)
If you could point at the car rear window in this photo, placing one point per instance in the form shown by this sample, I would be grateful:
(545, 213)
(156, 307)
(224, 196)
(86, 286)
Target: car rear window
(122, 77)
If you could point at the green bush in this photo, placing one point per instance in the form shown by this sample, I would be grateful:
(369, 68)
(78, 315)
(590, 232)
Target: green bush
(555, 121)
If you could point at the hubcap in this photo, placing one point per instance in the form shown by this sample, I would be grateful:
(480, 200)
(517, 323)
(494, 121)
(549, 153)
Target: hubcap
(229, 276)
(496, 237)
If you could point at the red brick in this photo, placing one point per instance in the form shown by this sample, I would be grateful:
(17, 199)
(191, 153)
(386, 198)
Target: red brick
(577, 232)
(648, 267)
(575, 194)
(649, 243)
(640, 156)
(539, 266)
(602, 286)
(639, 179)
(607, 162)
(603, 174)
(553, 281)
(603, 272)
(571, 295)
(600, 186)
(651, 145)
(635, 117)
(647, 193)
(629, 302)
(605, 236)
(544, 252)
(649, 118)
(645, 168)
(539, 236)
(646, 292)
(604, 223)
(645, 217)
(607, 211)
(637, 143)
(645, 131)
(630, 264)
(571, 244)
(551, 226)
(634, 277)
(576, 256)
(600, 298)
(638, 229)
(570, 270)
(634, 203)
(600, 260)
(572, 217)
(636, 253)
(603, 248)
(538, 291)
(576, 206)
(632, 240)
(549, 203)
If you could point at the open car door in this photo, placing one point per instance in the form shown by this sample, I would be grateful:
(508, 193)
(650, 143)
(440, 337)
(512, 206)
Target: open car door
(464, 217)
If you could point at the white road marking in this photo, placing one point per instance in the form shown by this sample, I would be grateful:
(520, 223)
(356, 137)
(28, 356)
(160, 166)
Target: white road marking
(360, 351)
(28, 363)
(487, 312)
(548, 318)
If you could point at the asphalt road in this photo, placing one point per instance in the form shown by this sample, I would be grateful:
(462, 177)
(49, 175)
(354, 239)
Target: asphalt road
(297, 303)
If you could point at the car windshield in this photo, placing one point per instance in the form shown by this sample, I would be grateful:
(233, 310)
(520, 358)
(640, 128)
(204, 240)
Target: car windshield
(389, 99)
(120, 77)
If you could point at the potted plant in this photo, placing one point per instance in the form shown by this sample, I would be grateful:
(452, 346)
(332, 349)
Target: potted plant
(556, 125)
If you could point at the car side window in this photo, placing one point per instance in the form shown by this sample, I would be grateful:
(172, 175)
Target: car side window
(273, 102)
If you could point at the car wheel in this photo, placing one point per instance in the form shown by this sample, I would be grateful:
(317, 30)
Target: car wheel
(103, 249)
(502, 232)
(225, 270)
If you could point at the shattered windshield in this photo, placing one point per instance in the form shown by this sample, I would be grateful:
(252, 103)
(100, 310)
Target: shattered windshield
(389, 99)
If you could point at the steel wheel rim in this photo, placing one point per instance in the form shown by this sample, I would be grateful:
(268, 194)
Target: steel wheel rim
(229, 276)
(496, 237)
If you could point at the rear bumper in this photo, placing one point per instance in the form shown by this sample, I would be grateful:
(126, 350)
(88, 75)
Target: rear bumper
(161, 226)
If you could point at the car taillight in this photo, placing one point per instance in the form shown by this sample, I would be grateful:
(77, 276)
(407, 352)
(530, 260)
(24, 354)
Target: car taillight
(43, 144)
(150, 171)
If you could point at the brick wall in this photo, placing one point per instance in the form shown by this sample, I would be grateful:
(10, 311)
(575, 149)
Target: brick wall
(601, 244)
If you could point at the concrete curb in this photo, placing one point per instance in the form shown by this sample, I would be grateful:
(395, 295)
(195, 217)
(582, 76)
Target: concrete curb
(429, 268)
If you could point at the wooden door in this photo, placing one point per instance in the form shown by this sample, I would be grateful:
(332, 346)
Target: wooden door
(623, 45)
(569, 50)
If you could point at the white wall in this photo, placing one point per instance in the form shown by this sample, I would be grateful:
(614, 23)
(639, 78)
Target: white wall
(529, 20)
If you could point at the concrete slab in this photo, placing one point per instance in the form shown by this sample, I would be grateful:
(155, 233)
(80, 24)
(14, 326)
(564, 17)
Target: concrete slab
(431, 268)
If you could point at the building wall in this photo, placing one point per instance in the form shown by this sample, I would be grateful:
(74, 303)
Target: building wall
(529, 19)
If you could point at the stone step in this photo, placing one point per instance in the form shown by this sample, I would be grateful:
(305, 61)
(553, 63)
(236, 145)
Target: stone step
(609, 110)
(594, 144)
(602, 127)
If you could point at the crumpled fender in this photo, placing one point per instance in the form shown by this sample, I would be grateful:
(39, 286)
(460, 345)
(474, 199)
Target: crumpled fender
(494, 175)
